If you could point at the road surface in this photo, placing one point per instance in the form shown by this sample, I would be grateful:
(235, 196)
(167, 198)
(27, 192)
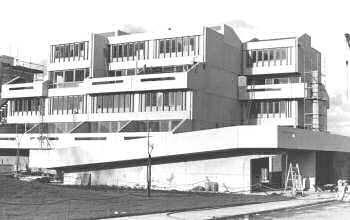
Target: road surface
(327, 211)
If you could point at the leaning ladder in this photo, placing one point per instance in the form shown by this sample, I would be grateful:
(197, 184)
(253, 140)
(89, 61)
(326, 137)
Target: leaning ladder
(294, 180)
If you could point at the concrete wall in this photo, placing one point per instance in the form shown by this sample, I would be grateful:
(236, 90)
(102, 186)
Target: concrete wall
(307, 164)
(340, 166)
(99, 56)
(232, 174)
(215, 85)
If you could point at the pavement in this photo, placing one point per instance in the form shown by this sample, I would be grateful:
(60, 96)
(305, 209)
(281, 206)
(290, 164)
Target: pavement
(310, 198)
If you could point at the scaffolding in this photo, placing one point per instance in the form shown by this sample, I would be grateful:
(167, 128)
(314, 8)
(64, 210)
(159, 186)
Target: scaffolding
(314, 100)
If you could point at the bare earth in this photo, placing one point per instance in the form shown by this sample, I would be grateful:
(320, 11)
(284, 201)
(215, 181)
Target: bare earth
(23, 200)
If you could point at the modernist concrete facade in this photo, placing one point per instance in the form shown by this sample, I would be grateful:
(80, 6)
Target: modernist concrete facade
(216, 109)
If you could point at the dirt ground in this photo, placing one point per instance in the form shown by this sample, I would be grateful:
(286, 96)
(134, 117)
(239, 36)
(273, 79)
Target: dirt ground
(33, 200)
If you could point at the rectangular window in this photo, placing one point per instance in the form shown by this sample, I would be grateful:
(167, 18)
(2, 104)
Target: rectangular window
(127, 103)
(108, 103)
(79, 75)
(167, 46)
(121, 103)
(120, 51)
(283, 107)
(278, 57)
(271, 53)
(186, 46)
(66, 51)
(148, 101)
(71, 50)
(82, 50)
(116, 103)
(179, 101)
(179, 47)
(114, 51)
(263, 107)
(248, 59)
(192, 45)
(68, 76)
(253, 56)
(173, 45)
(57, 52)
(266, 55)
(159, 101)
(99, 102)
(125, 50)
(76, 50)
(131, 51)
(161, 46)
(284, 53)
(276, 107)
(141, 50)
(260, 55)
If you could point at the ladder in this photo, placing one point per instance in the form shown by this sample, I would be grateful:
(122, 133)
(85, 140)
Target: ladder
(294, 180)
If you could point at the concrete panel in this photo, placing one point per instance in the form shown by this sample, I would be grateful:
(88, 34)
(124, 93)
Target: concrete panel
(232, 174)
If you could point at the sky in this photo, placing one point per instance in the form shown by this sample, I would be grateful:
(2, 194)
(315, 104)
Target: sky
(27, 28)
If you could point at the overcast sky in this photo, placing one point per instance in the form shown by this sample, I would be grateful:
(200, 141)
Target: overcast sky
(27, 27)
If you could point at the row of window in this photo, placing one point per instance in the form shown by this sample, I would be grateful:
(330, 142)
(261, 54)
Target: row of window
(69, 52)
(63, 105)
(275, 80)
(107, 103)
(113, 103)
(129, 51)
(28, 106)
(149, 70)
(269, 57)
(74, 75)
(163, 101)
(272, 108)
(177, 47)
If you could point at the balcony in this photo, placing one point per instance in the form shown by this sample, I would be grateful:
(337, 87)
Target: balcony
(24, 90)
(145, 82)
(273, 91)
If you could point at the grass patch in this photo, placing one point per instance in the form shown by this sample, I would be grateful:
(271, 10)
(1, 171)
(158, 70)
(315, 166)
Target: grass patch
(23, 200)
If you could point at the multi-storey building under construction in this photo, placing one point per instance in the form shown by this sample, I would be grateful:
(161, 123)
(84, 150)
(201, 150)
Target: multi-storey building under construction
(212, 108)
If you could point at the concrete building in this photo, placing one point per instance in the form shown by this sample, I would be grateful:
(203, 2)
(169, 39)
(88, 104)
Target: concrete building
(214, 109)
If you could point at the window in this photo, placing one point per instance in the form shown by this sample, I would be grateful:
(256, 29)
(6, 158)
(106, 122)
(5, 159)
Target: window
(283, 54)
(161, 46)
(127, 103)
(79, 75)
(82, 49)
(76, 50)
(259, 55)
(125, 50)
(167, 46)
(131, 51)
(173, 45)
(192, 44)
(141, 50)
(120, 51)
(254, 56)
(121, 102)
(68, 76)
(71, 50)
(179, 45)
(271, 53)
(66, 51)
(114, 52)
(266, 55)
(276, 107)
(186, 47)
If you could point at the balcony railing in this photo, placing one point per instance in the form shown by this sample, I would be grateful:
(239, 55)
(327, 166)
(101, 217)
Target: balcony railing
(64, 85)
